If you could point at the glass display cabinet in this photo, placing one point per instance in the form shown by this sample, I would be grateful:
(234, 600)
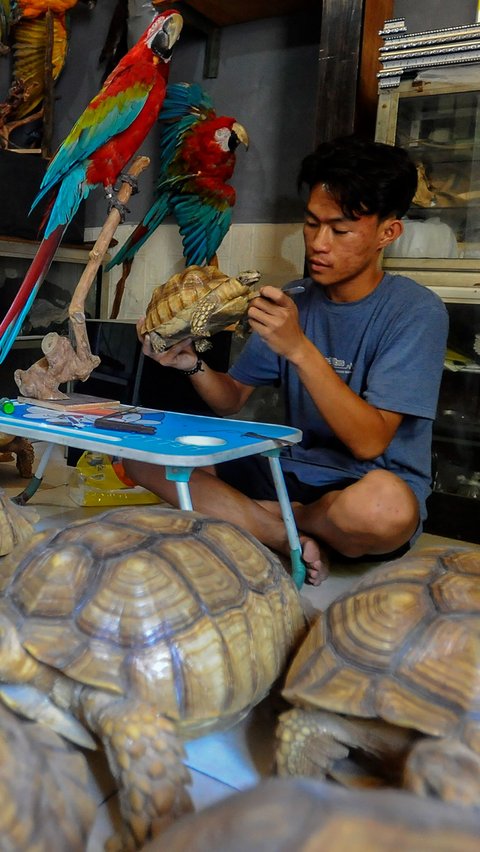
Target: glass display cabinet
(434, 112)
(454, 506)
(49, 311)
(439, 125)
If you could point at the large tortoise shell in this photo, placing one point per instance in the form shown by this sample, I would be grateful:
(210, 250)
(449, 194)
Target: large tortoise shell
(181, 291)
(184, 611)
(304, 814)
(196, 302)
(403, 645)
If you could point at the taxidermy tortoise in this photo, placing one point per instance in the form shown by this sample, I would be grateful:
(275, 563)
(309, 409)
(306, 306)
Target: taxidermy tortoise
(197, 303)
(391, 672)
(46, 803)
(16, 524)
(144, 626)
(23, 449)
(307, 815)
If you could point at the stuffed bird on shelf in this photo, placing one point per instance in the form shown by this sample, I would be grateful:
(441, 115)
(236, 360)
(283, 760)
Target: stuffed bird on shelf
(38, 32)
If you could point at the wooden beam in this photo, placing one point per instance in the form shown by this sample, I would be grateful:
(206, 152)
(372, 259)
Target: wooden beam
(348, 64)
(339, 55)
(226, 12)
(376, 12)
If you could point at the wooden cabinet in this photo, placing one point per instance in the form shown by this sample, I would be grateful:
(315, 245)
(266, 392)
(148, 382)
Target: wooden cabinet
(435, 115)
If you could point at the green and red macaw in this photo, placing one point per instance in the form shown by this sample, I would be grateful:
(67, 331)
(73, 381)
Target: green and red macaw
(99, 146)
(197, 159)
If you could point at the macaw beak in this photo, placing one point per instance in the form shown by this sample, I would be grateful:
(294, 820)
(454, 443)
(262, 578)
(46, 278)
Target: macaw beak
(165, 40)
(239, 135)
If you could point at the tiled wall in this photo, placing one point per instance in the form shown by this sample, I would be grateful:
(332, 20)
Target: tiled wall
(275, 250)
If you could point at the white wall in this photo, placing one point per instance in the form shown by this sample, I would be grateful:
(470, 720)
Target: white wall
(275, 250)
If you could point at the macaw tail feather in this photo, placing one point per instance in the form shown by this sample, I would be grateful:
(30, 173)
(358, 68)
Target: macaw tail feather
(182, 98)
(36, 273)
(140, 235)
(202, 233)
(130, 247)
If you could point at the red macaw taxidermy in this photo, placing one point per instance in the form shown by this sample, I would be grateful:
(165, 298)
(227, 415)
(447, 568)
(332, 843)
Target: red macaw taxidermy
(197, 159)
(99, 146)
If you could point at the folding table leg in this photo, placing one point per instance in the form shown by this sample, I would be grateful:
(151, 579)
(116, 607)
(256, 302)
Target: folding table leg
(181, 476)
(298, 565)
(36, 479)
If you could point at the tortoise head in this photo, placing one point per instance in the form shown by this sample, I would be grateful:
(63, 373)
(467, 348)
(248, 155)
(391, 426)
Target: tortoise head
(249, 277)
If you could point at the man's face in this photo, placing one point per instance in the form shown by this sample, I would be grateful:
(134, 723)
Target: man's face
(341, 251)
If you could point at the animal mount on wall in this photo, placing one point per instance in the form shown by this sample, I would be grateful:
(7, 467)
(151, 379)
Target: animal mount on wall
(36, 34)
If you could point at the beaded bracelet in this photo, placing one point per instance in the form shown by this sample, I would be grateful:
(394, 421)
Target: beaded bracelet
(197, 368)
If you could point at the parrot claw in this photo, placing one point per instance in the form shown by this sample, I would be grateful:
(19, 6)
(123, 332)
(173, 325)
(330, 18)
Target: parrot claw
(131, 180)
(115, 204)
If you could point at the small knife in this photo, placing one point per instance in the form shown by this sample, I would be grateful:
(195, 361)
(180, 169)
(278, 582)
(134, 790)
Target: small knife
(281, 442)
(293, 289)
(123, 426)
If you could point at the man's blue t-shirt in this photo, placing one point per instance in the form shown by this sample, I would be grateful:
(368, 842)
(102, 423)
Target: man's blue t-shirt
(389, 349)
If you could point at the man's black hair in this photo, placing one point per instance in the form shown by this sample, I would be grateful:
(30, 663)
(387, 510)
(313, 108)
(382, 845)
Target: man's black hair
(364, 177)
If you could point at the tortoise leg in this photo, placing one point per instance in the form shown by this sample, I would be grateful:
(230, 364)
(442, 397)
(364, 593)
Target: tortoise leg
(322, 744)
(46, 803)
(304, 749)
(201, 316)
(157, 342)
(202, 344)
(145, 757)
(444, 768)
(25, 453)
(209, 318)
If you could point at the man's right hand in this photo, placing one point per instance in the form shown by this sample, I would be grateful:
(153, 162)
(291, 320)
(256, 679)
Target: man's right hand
(180, 356)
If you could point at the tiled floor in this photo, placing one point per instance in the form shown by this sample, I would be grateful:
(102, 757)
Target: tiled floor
(220, 763)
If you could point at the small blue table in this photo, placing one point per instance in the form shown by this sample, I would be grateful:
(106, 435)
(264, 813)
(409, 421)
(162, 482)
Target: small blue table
(181, 443)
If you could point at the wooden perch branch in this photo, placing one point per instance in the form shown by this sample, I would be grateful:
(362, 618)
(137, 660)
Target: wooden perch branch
(77, 304)
(62, 362)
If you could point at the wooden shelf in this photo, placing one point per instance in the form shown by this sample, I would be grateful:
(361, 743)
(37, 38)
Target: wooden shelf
(222, 13)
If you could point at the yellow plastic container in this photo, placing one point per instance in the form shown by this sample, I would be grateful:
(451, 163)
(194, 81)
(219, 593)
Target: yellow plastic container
(95, 482)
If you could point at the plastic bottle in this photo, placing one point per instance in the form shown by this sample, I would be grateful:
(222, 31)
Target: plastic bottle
(97, 480)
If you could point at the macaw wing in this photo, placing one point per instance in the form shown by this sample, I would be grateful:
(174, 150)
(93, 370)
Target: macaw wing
(184, 106)
(185, 98)
(203, 224)
(29, 50)
(150, 222)
(106, 116)
(5, 23)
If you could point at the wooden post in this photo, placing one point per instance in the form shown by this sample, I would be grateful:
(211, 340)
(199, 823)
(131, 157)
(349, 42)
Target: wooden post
(77, 304)
(348, 60)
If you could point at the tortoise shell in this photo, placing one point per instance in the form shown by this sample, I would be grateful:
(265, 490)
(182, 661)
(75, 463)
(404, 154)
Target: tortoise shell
(185, 612)
(402, 645)
(306, 815)
(196, 303)
(16, 523)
